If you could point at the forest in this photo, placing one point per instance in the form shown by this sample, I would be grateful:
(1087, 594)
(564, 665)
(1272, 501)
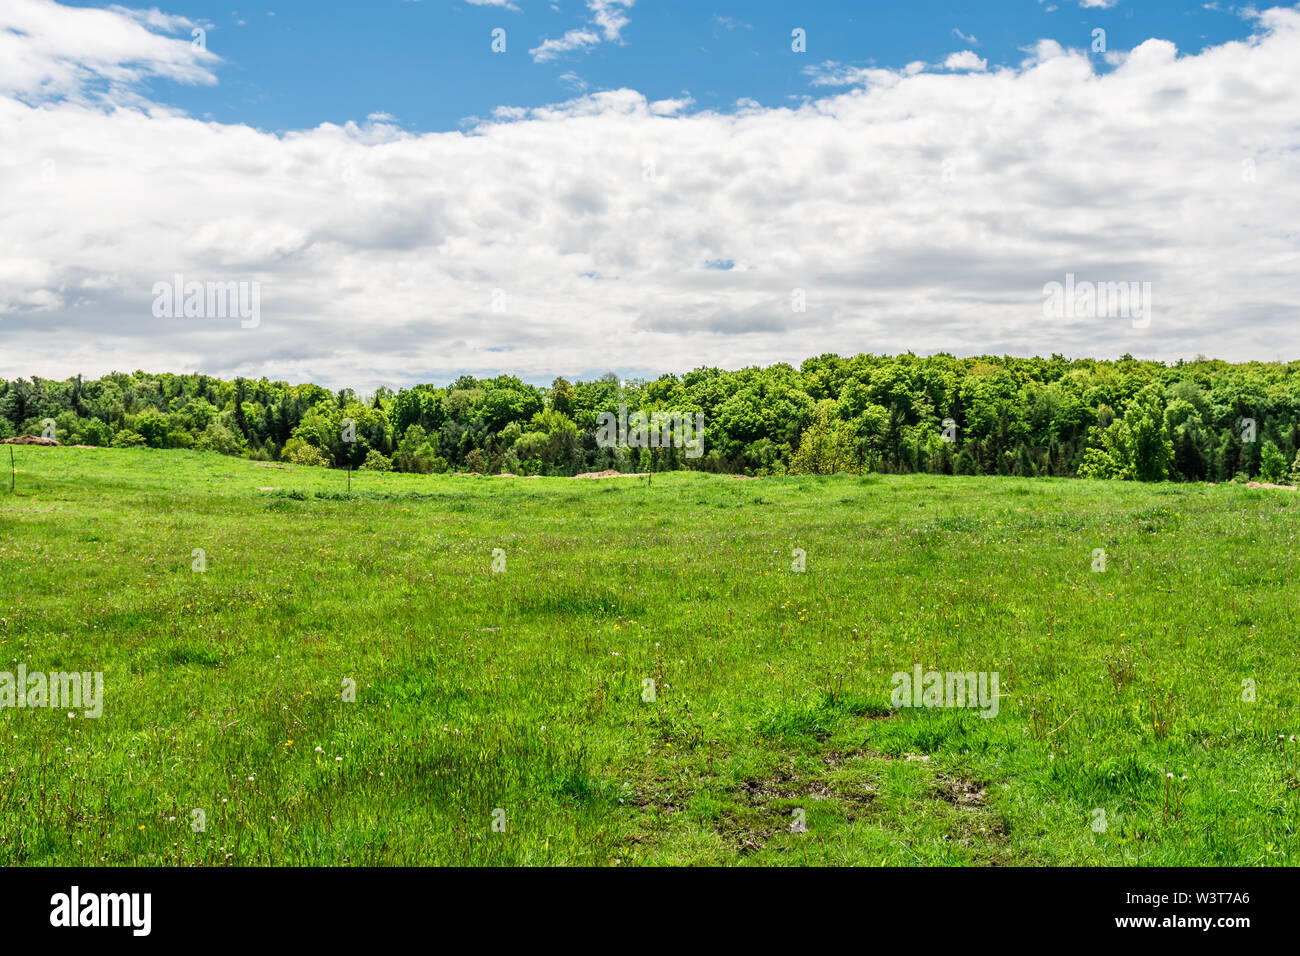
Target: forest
(1201, 420)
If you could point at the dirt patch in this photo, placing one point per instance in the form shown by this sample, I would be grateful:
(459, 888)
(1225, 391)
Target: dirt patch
(787, 783)
(610, 473)
(743, 831)
(1264, 484)
(29, 440)
(750, 825)
(745, 477)
(975, 824)
(275, 464)
(961, 792)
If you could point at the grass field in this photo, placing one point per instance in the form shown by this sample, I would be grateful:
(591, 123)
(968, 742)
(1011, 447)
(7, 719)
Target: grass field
(502, 717)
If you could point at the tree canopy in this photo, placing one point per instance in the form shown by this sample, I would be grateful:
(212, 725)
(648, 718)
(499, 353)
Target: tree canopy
(1123, 419)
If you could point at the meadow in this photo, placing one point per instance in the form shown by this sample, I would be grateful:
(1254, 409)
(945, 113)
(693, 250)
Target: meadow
(554, 671)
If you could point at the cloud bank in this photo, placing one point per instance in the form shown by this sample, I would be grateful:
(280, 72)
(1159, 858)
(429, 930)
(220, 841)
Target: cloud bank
(921, 209)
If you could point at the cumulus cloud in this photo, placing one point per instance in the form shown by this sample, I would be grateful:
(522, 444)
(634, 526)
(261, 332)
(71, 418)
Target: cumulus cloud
(913, 209)
(48, 51)
(965, 60)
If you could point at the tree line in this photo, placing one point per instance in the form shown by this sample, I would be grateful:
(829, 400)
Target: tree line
(1202, 420)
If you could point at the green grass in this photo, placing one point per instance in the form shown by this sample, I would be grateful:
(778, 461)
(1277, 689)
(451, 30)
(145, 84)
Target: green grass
(523, 691)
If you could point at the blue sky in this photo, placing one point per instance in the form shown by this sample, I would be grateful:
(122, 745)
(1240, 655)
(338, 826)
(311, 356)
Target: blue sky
(294, 65)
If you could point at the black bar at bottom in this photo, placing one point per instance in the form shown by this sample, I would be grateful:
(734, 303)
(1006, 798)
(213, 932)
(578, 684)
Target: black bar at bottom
(333, 906)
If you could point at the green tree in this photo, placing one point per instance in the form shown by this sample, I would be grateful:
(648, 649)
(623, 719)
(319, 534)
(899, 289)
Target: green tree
(1135, 447)
(1272, 464)
(828, 445)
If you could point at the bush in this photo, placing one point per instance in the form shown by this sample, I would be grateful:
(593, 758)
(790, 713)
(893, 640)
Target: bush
(375, 461)
(828, 445)
(95, 432)
(153, 428)
(128, 439)
(419, 460)
(1272, 464)
(217, 437)
(302, 452)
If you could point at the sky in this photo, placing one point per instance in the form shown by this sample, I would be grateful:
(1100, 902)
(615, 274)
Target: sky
(416, 190)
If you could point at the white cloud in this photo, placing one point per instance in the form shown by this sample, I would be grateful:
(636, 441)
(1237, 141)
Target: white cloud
(549, 50)
(573, 81)
(49, 51)
(832, 73)
(965, 60)
(608, 21)
(918, 210)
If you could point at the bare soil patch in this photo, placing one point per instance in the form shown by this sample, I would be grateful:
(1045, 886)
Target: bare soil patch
(611, 473)
(28, 440)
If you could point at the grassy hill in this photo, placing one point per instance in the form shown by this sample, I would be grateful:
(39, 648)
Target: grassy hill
(506, 716)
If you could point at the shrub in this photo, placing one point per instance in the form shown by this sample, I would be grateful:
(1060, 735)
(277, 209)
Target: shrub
(1272, 464)
(95, 432)
(302, 452)
(217, 437)
(375, 461)
(828, 445)
(153, 428)
(127, 438)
